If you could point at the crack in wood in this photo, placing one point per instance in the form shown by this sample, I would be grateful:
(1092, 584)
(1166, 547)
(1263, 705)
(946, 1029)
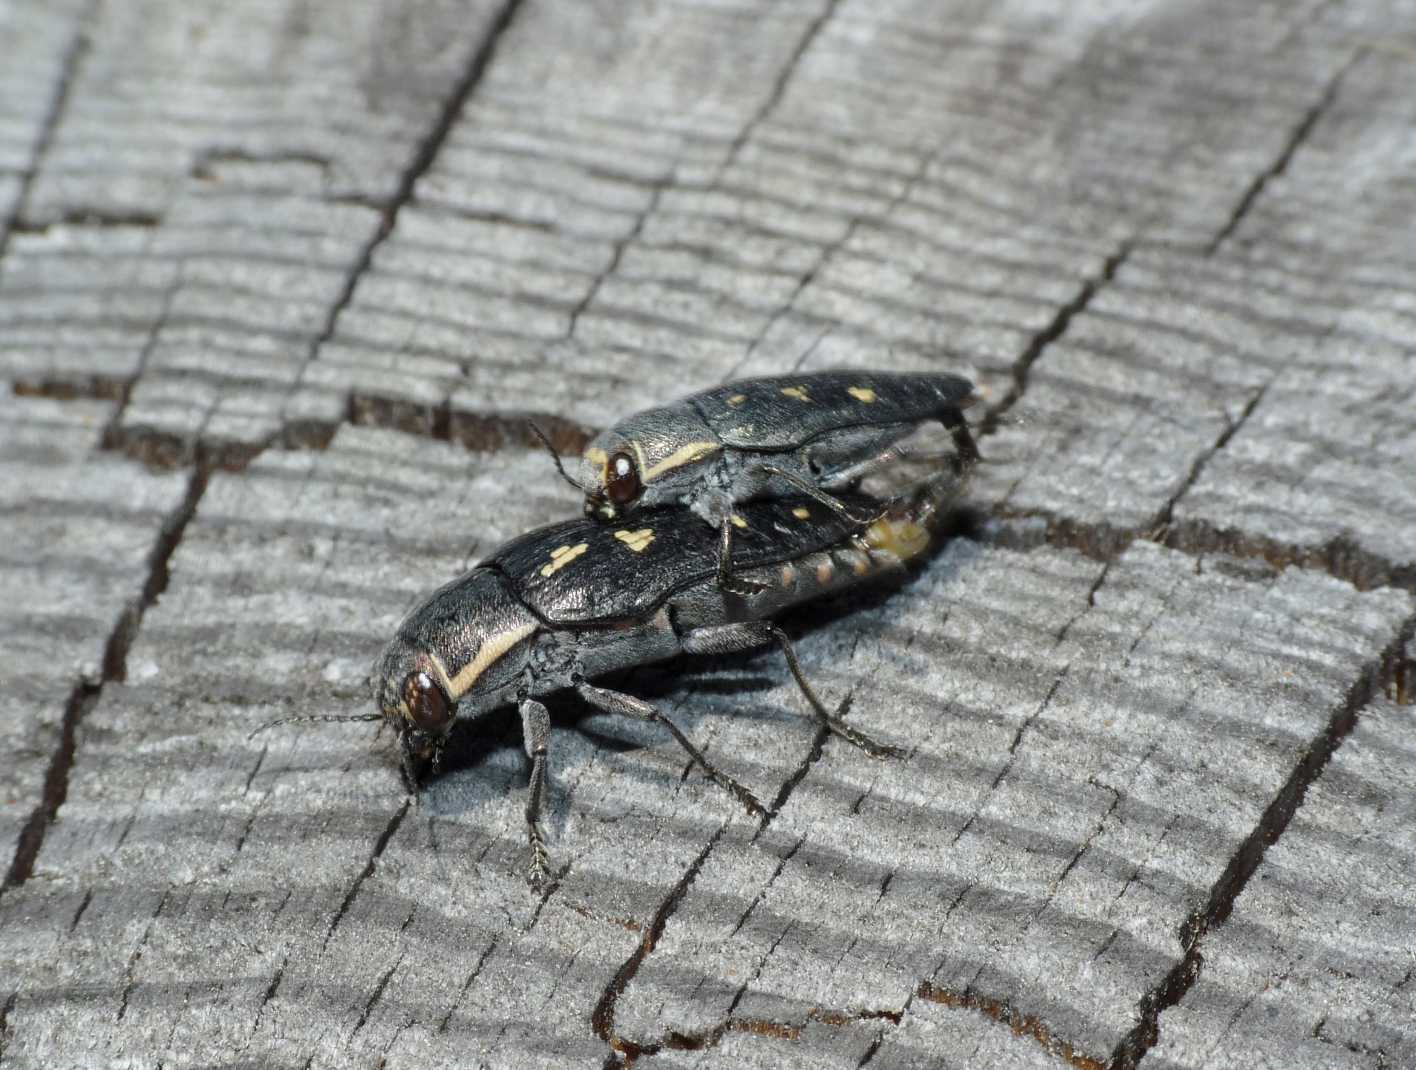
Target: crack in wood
(779, 85)
(1295, 140)
(368, 871)
(1022, 367)
(85, 694)
(1023, 1025)
(69, 72)
(602, 1018)
(1250, 854)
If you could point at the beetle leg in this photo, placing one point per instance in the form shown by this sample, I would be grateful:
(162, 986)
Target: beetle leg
(535, 737)
(407, 764)
(746, 635)
(726, 580)
(964, 442)
(618, 702)
(816, 493)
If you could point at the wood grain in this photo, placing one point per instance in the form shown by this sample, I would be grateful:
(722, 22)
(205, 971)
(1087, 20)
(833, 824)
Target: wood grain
(280, 285)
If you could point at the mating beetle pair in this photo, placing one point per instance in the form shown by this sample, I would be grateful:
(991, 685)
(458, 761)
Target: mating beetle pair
(770, 465)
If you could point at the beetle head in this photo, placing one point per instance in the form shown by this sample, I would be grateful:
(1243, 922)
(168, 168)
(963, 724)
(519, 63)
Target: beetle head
(459, 652)
(655, 457)
(412, 699)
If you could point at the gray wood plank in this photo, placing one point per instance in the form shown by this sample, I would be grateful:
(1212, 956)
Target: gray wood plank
(1170, 241)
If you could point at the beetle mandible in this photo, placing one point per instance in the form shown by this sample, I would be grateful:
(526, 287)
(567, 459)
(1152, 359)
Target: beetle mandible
(815, 434)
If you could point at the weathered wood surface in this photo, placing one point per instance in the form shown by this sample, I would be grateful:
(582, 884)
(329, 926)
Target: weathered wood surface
(278, 283)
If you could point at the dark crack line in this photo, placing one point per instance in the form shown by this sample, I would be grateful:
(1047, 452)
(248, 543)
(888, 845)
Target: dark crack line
(129, 980)
(69, 73)
(374, 997)
(85, 694)
(781, 865)
(1295, 141)
(602, 1018)
(367, 872)
(1161, 523)
(621, 246)
(418, 166)
(467, 984)
(1246, 860)
(823, 258)
(779, 87)
(1022, 367)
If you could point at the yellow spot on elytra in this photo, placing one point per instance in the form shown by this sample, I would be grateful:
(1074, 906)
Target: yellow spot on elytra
(562, 556)
(788, 575)
(636, 540)
(864, 393)
(738, 522)
(860, 564)
(801, 512)
(487, 654)
(737, 399)
(798, 392)
(687, 454)
(824, 572)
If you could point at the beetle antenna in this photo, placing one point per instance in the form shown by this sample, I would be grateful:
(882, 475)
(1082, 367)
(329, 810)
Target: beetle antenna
(555, 457)
(327, 718)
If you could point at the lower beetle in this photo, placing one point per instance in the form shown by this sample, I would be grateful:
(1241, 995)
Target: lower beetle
(815, 435)
(557, 607)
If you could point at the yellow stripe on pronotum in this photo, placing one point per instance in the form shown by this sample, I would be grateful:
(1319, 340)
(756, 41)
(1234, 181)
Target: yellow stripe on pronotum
(489, 652)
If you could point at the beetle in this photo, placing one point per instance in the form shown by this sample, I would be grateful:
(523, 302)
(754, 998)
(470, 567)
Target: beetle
(569, 602)
(814, 435)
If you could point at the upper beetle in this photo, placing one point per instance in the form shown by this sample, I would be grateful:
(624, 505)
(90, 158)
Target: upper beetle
(815, 434)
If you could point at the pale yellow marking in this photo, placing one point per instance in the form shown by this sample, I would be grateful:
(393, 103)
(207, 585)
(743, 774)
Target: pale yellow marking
(601, 460)
(693, 451)
(788, 575)
(490, 651)
(562, 556)
(798, 392)
(440, 671)
(737, 399)
(864, 393)
(801, 512)
(738, 522)
(860, 564)
(636, 540)
(824, 572)
(903, 538)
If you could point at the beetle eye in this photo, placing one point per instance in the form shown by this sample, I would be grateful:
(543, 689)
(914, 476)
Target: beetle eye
(428, 707)
(622, 479)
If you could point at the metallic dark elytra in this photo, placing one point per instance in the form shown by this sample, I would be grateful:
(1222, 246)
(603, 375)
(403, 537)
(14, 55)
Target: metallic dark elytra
(815, 434)
(557, 607)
